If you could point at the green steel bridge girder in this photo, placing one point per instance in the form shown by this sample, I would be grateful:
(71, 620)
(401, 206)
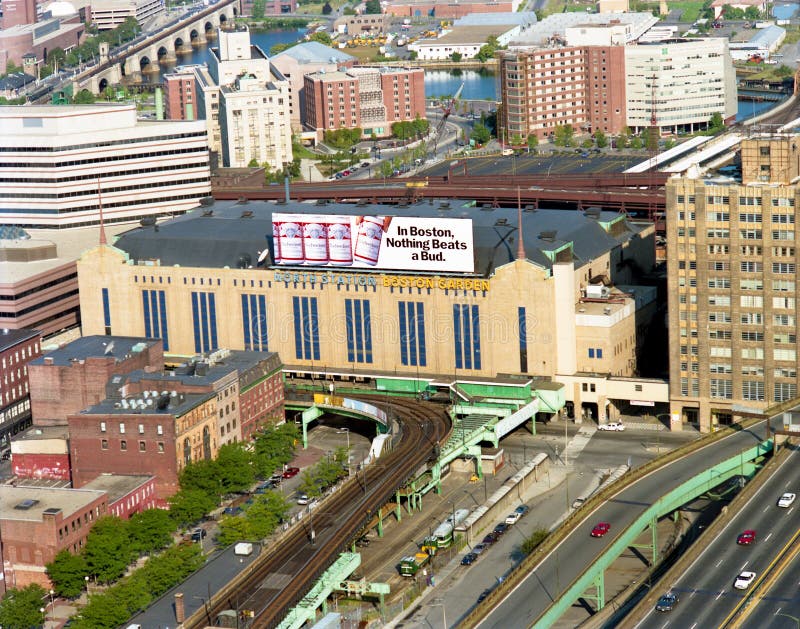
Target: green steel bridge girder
(696, 486)
(310, 412)
(331, 580)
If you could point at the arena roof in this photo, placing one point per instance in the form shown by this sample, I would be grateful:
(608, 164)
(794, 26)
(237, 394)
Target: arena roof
(237, 235)
(314, 52)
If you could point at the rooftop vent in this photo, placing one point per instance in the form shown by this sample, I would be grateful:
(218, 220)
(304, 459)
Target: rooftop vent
(444, 205)
(242, 201)
(501, 222)
(206, 201)
(322, 201)
(26, 504)
(148, 221)
(244, 261)
(247, 214)
(486, 207)
(592, 212)
(51, 511)
(208, 212)
(548, 236)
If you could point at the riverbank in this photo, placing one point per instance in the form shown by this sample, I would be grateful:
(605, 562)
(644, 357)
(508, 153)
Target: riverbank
(469, 64)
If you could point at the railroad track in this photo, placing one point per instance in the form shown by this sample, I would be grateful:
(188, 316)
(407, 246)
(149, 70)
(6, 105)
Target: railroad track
(282, 576)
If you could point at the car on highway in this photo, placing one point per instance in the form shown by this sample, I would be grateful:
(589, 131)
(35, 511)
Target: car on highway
(746, 538)
(469, 559)
(667, 602)
(786, 500)
(744, 580)
(600, 529)
(291, 472)
(612, 426)
(513, 518)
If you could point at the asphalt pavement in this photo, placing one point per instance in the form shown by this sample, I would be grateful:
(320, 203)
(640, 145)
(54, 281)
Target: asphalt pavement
(706, 591)
(549, 579)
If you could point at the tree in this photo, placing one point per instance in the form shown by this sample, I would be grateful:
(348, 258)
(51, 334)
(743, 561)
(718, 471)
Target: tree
(84, 97)
(234, 468)
(516, 139)
(189, 505)
(600, 139)
(278, 48)
(327, 9)
(456, 56)
(322, 37)
(67, 572)
(752, 13)
(530, 543)
(563, 135)
(151, 530)
(19, 608)
(233, 529)
(104, 611)
(108, 550)
(373, 7)
(716, 123)
(533, 141)
(413, 55)
(266, 513)
(623, 140)
(386, 169)
(636, 142)
(348, 10)
(257, 11)
(732, 13)
(480, 133)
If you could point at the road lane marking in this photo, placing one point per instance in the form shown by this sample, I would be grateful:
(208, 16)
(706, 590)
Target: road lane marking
(778, 611)
(744, 566)
(767, 508)
(718, 563)
(718, 595)
(693, 626)
(768, 536)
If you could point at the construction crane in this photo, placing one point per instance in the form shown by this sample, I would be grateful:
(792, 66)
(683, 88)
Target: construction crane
(447, 109)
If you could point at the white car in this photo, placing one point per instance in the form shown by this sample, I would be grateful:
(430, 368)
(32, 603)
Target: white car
(618, 426)
(786, 500)
(513, 518)
(744, 580)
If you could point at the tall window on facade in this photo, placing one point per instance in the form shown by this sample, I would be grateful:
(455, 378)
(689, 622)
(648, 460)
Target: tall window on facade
(254, 322)
(106, 313)
(359, 330)
(523, 340)
(154, 308)
(467, 336)
(204, 318)
(306, 328)
(412, 333)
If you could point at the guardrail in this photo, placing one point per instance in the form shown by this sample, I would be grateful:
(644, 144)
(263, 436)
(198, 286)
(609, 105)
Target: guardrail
(554, 539)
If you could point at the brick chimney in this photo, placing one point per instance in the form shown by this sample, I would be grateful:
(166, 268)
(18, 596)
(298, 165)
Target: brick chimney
(180, 612)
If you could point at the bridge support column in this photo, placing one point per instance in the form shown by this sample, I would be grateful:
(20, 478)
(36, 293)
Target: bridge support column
(600, 584)
(200, 40)
(654, 540)
(380, 523)
(398, 510)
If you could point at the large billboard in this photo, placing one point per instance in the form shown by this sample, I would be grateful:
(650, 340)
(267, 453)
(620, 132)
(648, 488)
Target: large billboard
(380, 242)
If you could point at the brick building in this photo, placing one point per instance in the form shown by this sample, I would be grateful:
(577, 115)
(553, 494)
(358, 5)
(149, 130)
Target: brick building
(17, 349)
(144, 434)
(369, 98)
(451, 9)
(41, 452)
(271, 7)
(74, 376)
(37, 523)
(180, 95)
(126, 495)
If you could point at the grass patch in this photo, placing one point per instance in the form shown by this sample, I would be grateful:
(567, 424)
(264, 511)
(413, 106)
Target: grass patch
(690, 11)
(533, 540)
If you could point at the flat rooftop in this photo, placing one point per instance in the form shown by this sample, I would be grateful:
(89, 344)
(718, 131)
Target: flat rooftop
(116, 485)
(147, 404)
(10, 338)
(117, 347)
(30, 504)
(468, 35)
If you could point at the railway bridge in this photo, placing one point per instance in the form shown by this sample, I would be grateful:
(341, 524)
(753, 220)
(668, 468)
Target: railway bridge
(144, 55)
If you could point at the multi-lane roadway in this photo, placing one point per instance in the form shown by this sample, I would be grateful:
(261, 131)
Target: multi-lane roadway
(706, 592)
(575, 554)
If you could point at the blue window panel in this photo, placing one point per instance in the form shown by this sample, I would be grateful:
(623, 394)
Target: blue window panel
(348, 321)
(304, 312)
(421, 334)
(599, 352)
(106, 309)
(162, 307)
(467, 337)
(246, 322)
(591, 352)
(476, 338)
(412, 334)
(359, 323)
(523, 332)
(212, 320)
(298, 330)
(457, 335)
(314, 327)
(203, 298)
(367, 332)
(146, 309)
(154, 313)
(404, 340)
(196, 322)
(263, 343)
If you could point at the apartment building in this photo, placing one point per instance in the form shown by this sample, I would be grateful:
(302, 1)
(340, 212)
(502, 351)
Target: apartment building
(180, 95)
(17, 349)
(732, 280)
(369, 98)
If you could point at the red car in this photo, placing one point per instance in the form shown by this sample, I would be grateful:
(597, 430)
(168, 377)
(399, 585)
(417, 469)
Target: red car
(291, 472)
(601, 529)
(746, 538)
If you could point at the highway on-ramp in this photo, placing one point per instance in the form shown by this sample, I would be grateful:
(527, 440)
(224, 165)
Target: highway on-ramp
(706, 592)
(578, 550)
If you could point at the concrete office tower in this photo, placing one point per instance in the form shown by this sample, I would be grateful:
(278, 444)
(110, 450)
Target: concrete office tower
(245, 102)
(732, 278)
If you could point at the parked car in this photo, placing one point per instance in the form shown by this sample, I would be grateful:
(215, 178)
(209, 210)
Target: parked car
(232, 510)
(469, 559)
(484, 594)
(522, 510)
(786, 500)
(612, 426)
(479, 548)
(364, 164)
(667, 602)
(276, 478)
(490, 539)
(744, 580)
(198, 534)
(601, 529)
(746, 538)
(500, 529)
(291, 472)
(302, 499)
(513, 518)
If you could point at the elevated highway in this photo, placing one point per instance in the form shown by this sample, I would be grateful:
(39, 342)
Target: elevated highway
(538, 589)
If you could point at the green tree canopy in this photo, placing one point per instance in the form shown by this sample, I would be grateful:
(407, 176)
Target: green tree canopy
(600, 139)
(151, 530)
(456, 56)
(716, 123)
(533, 141)
(322, 37)
(563, 135)
(327, 9)
(373, 7)
(108, 550)
(189, 505)
(84, 97)
(480, 133)
(752, 13)
(19, 608)
(67, 572)
(257, 11)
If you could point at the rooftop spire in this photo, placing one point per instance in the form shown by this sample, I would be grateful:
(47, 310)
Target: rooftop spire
(520, 244)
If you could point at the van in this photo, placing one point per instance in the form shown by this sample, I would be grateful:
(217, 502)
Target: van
(507, 152)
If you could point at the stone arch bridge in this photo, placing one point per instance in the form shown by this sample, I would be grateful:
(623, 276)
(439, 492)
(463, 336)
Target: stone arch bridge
(161, 47)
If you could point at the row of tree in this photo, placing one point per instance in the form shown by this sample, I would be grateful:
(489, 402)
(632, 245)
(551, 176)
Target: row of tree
(324, 474)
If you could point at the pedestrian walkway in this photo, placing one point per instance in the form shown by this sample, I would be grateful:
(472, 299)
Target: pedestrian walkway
(578, 443)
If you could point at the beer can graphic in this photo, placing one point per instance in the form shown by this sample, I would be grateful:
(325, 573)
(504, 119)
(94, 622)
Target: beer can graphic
(315, 242)
(368, 241)
(276, 243)
(291, 243)
(340, 244)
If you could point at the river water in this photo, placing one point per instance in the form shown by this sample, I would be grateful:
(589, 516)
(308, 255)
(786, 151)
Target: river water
(479, 84)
